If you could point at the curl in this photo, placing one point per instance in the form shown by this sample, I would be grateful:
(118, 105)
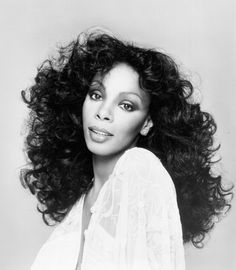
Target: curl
(182, 134)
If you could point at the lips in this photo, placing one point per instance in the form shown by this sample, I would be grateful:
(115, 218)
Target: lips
(100, 131)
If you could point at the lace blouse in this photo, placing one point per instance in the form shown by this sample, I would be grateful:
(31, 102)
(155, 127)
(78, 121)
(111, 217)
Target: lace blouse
(135, 223)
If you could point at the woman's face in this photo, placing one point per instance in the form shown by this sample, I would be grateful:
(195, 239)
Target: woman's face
(115, 110)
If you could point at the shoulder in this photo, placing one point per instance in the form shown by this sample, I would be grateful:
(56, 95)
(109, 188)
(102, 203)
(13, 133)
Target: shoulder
(140, 161)
(142, 164)
(137, 155)
(139, 151)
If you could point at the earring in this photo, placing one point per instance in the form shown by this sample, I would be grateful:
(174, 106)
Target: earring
(144, 132)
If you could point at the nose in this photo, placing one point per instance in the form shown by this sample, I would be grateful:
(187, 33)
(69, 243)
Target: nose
(104, 113)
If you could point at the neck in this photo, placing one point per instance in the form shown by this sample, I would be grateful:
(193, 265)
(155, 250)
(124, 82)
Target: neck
(103, 168)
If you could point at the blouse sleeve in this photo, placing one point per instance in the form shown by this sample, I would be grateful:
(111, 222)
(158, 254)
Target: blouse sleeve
(163, 226)
(138, 209)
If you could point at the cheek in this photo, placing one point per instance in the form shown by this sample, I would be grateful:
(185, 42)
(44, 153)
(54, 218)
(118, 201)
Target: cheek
(133, 125)
(85, 110)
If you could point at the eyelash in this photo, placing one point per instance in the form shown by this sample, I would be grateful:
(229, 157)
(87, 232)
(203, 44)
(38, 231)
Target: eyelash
(126, 104)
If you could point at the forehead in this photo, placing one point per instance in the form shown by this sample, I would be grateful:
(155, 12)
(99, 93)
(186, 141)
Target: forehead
(122, 78)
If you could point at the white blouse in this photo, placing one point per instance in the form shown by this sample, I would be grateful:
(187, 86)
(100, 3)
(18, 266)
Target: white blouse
(135, 223)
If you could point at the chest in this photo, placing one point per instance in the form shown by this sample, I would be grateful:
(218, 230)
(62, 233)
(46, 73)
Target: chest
(86, 216)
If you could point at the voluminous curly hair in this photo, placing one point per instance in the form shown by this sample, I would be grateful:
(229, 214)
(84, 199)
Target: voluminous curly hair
(182, 135)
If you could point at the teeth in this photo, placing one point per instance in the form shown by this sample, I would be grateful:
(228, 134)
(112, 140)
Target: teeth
(100, 133)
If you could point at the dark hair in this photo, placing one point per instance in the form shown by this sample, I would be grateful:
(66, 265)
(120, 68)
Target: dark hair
(182, 135)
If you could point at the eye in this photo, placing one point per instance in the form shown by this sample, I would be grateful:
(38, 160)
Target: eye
(94, 95)
(128, 107)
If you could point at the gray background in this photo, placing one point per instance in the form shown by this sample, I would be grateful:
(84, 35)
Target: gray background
(199, 34)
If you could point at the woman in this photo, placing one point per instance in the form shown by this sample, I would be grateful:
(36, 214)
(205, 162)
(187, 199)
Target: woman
(121, 158)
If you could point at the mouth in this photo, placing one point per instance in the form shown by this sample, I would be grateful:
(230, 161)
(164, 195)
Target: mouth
(99, 131)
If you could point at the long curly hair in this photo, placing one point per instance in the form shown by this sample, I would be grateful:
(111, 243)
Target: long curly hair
(182, 135)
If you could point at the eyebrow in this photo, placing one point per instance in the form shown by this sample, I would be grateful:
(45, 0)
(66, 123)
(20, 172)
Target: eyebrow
(122, 93)
(132, 93)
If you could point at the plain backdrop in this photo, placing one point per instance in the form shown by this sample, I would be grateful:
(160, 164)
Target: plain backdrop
(199, 34)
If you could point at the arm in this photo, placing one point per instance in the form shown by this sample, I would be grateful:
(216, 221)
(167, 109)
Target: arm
(140, 211)
(163, 226)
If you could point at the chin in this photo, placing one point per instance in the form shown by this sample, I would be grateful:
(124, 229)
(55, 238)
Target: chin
(99, 149)
(108, 149)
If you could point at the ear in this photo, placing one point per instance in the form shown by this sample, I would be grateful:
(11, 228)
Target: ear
(148, 124)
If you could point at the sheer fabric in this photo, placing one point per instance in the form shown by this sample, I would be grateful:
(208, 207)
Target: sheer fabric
(135, 223)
